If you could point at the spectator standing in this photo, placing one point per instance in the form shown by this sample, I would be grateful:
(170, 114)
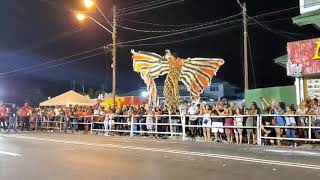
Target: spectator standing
(12, 113)
(207, 123)
(238, 121)
(279, 120)
(290, 121)
(26, 109)
(3, 116)
(149, 120)
(252, 122)
(217, 125)
(303, 121)
(193, 111)
(228, 122)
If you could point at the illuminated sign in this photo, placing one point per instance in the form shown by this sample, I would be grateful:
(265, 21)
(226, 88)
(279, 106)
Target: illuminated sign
(303, 58)
(316, 52)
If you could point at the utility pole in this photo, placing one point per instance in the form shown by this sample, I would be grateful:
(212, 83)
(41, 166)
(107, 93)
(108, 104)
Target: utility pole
(114, 54)
(74, 85)
(82, 86)
(245, 46)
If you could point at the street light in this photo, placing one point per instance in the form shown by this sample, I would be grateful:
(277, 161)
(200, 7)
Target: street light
(81, 16)
(88, 3)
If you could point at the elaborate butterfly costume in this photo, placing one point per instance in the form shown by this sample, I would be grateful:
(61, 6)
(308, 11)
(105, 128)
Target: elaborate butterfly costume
(194, 73)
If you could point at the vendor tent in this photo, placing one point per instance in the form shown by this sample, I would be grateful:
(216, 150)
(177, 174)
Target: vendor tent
(69, 98)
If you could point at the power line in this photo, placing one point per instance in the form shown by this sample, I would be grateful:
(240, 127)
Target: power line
(57, 65)
(284, 10)
(144, 5)
(251, 62)
(177, 33)
(176, 30)
(162, 25)
(151, 8)
(49, 62)
(182, 40)
(269, 29)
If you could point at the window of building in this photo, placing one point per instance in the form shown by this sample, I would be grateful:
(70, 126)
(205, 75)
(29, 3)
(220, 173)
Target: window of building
(214, 87)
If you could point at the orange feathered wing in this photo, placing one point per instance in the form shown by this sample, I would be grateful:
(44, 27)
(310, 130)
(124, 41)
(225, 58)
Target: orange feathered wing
(150, 66)
(197, 74)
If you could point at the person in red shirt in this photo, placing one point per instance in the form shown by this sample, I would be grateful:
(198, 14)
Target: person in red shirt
(3, 116)
(26, 109)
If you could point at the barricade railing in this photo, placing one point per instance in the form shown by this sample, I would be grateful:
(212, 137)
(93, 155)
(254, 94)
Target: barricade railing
(134, 125)
(310, 127)
(149, 124)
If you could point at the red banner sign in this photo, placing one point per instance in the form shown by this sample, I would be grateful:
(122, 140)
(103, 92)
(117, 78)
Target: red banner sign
(303, 58)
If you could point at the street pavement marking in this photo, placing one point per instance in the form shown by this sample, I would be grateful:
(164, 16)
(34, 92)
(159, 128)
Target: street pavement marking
(295, 152)
(191, 153)
(9, 153)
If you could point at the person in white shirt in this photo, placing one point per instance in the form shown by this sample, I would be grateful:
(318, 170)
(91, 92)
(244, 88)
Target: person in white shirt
(238, 121)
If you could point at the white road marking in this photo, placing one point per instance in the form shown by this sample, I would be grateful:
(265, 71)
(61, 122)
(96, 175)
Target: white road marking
(191, 153)
(296, 152)
(9, 153)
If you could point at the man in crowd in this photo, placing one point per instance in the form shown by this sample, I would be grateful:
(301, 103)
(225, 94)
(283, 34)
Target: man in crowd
(26, 109)
(2, 116)
(12, 113)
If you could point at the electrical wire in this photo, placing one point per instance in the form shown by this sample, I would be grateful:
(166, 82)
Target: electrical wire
(183, 40)
(177, 33)
(144, 5)
(186, 39)
(49, 62)
(283, 10)
(251, 62)
(151, 8)
(176, 30)
(269, 29)
(162, 25)
(56, 65)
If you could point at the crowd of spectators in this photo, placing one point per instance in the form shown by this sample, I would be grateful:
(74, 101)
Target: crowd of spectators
(204, 120)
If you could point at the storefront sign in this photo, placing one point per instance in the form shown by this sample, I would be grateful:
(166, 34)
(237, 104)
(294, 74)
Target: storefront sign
(313, 88)
(303, 58)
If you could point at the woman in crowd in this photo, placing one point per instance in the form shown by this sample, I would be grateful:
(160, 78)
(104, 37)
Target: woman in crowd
(238, 121)
(279, 120)
(290, 121)
(149, 120)
(303, 121)
(217, 124)
(108, 121)
(207, 123)
(228, 122)
(252, 122)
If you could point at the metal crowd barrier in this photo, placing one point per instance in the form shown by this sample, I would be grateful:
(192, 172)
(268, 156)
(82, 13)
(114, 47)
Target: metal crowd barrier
(131, 125)
(309, 127)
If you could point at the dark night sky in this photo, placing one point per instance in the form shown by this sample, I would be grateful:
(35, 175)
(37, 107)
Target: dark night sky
(37, 31)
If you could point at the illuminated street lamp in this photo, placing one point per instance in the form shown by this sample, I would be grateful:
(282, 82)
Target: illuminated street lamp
(80, 16)
(88, 3)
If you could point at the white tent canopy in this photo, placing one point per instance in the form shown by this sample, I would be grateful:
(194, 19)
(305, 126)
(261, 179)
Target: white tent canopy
(68, 98)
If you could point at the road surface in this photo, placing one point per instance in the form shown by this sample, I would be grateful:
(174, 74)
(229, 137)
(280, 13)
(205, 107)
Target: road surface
(33, 156)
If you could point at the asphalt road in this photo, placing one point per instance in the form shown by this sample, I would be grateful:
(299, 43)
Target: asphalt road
(76, 157)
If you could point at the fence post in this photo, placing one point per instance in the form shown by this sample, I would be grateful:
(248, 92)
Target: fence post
(309, 134)
(183, 121)
(156, 127)
(36, 126)
(131, 127)
(92, 118)
(259, 128)
(60, 128)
